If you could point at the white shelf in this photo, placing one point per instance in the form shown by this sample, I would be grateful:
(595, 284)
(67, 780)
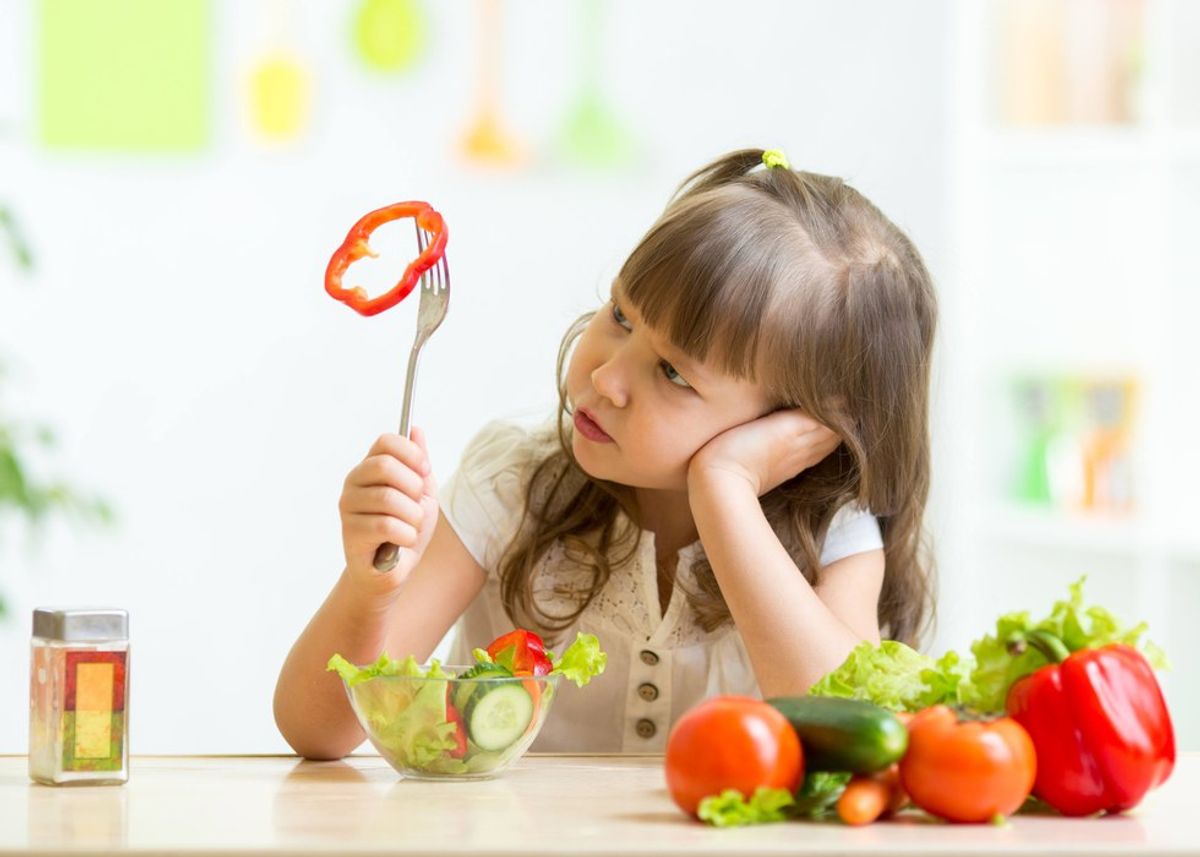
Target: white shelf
(1055, 145)
(1111, 147)
(1088, 533)
(1185, 146)
(1030, 526)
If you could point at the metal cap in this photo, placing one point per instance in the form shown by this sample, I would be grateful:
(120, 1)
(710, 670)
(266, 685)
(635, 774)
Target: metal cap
(79, 625)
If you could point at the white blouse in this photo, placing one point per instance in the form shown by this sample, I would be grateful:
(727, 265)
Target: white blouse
(659, 665)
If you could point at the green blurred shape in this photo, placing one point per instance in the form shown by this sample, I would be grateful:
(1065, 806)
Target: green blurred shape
(21, 253)
(124, 75)
(1039, 403)
(592, 135)
(389, 34)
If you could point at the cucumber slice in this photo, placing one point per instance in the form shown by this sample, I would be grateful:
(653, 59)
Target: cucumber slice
(497, 716)
(463, 689)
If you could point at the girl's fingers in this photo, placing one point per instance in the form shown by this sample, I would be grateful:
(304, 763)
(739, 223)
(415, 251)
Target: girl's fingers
(430, 487)
(384, 500)
(385, 470)
(407, 451)
(374, 530)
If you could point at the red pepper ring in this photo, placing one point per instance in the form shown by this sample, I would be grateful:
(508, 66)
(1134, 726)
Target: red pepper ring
(356, 247)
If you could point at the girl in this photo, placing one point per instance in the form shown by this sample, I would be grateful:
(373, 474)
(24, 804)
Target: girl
(730, 495)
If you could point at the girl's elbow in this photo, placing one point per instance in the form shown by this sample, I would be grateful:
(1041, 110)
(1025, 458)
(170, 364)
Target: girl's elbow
(315, 749)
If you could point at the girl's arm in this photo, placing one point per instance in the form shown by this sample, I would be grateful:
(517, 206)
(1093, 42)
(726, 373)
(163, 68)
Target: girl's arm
(794, 634)
(359, 620)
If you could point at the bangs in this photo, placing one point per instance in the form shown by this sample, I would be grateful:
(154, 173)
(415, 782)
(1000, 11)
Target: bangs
(708, 275)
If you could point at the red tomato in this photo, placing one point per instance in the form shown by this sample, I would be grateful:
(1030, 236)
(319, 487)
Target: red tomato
(967, 770)
(731, 742)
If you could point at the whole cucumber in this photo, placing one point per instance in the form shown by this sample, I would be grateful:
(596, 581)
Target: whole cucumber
(844, 734)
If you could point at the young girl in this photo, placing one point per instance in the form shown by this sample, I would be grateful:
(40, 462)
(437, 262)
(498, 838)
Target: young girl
(730, 495)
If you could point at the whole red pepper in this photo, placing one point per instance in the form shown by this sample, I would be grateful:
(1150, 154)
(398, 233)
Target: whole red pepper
(355, 247)
(521, 651)
(1099, 723)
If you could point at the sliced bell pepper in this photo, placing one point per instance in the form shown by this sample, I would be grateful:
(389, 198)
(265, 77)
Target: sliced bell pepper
(356, 247)
(523, 652)
(460, 732)
(1099, 723)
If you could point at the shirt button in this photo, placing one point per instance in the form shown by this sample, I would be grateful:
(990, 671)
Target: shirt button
(649, 658)
(646, 728)
(648, 692)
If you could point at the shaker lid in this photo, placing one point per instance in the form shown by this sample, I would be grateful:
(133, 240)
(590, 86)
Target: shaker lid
(80, 625)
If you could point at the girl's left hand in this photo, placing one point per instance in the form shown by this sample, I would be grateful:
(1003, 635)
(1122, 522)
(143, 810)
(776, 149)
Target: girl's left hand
(765, 452)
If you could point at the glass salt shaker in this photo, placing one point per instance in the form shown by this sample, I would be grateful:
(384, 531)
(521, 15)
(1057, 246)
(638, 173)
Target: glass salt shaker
(78, 697)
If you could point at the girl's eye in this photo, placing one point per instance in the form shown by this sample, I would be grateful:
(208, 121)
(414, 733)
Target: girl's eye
(667, 369)
(671, 375)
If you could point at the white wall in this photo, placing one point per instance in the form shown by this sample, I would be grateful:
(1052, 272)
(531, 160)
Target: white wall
(176, 333)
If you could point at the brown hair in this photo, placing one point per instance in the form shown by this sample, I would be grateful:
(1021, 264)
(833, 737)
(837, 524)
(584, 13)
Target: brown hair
(797, 282)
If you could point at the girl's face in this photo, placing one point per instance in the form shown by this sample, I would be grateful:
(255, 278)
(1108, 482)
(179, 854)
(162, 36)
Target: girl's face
(656, 406)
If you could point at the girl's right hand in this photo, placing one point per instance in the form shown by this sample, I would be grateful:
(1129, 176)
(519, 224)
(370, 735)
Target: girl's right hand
(390, 496)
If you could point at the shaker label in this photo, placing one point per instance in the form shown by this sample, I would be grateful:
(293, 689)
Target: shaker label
(93, 711)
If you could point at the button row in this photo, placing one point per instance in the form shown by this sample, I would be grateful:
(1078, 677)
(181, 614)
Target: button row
(645, 727)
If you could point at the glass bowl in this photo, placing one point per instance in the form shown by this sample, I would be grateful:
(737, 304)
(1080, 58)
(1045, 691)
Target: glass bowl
(451, 728)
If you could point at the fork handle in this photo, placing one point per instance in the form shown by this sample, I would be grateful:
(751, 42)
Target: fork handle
(387, 553)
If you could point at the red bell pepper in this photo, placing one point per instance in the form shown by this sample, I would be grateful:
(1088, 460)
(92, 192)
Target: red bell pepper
(523, 652)
(460, 732)
(355, 247)
(1099, 723)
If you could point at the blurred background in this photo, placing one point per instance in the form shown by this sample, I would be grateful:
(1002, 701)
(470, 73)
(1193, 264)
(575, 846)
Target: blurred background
(180, 400)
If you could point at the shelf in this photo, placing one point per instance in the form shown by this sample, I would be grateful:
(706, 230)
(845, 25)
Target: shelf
(1055, 146)
(1127, 146)
(1038, 527)
(1185, 145)
(1029, 526)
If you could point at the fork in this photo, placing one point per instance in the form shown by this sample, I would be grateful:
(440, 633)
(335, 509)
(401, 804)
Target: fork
(435, 300)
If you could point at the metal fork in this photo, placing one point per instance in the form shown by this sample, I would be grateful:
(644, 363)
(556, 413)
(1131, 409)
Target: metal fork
(435, 300)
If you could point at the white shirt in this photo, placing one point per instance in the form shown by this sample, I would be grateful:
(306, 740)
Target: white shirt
(659, 665)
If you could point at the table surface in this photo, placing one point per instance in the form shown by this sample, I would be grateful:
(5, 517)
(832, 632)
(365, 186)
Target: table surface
(555, 804)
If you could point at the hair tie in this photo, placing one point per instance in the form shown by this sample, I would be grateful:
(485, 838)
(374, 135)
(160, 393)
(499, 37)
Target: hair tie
(776, 158)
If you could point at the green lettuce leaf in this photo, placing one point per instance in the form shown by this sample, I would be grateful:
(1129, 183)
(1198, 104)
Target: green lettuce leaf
(731, 809)
(892, 675)
(899, 678)
(1002, 657)
(408, 719)
(355, 675)
(582, 661)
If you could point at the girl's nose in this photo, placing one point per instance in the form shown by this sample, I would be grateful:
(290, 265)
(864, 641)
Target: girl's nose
(607, 380)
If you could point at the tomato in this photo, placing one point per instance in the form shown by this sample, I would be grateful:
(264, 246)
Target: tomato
(731, 742)
(967, 770)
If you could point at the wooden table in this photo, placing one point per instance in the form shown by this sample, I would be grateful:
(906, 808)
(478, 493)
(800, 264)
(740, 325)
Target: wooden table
(548, 805)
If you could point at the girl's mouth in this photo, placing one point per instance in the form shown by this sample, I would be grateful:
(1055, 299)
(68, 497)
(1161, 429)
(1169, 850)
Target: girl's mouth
(589, 428)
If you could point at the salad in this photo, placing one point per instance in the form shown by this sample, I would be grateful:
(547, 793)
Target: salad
(434, 721)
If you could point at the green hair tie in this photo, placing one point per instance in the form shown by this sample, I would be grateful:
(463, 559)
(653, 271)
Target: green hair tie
(776, 158)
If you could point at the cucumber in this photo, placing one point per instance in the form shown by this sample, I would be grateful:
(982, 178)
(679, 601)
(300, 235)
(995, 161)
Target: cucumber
(464, 689)
(844, 734)
(498, 714)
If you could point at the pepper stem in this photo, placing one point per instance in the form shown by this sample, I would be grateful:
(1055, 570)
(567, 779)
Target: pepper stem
(1048, 644)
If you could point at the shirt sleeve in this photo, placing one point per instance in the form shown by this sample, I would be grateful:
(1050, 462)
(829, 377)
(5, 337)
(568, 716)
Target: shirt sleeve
(852, 530)
(484, 498)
